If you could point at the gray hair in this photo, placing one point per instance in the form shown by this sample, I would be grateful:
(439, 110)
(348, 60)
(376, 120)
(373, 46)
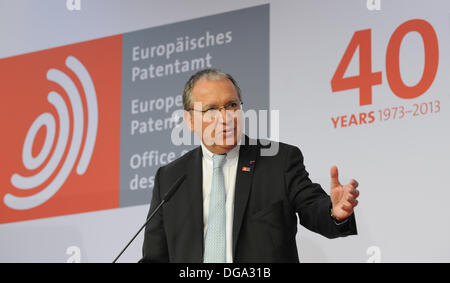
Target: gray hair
(210, 74)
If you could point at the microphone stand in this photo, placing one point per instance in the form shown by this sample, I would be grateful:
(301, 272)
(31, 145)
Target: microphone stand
(143, 226)
(166, 198)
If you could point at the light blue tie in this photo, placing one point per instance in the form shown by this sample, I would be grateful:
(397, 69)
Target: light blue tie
(215, 242)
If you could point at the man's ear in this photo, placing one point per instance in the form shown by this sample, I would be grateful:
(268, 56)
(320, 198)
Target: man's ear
(189, 120)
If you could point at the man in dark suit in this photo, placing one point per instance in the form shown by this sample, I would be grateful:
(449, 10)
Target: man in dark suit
(243, 208)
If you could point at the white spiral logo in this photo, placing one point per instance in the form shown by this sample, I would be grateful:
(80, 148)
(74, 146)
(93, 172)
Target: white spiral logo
(47, 120)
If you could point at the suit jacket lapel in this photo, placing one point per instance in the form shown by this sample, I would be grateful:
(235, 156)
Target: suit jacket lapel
(194, 182)
(247, 159)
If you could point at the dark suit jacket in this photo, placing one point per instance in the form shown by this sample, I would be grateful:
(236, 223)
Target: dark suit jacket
(267, 201)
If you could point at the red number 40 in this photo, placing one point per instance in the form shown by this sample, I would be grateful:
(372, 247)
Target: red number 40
(366, 78)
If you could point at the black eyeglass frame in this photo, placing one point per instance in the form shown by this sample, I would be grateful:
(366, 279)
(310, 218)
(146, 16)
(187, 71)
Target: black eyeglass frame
(226, 107)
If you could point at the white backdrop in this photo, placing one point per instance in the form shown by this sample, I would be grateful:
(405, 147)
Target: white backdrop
(400, 163)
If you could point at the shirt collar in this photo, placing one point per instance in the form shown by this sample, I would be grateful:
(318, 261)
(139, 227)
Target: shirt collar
(234, 153)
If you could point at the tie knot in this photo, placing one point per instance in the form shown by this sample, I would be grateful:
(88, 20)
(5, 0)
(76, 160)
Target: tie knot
(219, 160)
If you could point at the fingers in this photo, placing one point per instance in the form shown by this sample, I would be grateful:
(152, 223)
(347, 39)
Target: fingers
(347, 208)
(352, 202)
(354, 183)
(334, 177)
(351, 193)
(352, 188)
(349, 205)
(348, 200)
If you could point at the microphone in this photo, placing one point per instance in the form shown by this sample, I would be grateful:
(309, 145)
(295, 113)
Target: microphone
(165, 199)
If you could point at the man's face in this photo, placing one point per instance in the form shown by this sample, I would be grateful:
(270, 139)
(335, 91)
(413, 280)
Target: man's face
(218, 130)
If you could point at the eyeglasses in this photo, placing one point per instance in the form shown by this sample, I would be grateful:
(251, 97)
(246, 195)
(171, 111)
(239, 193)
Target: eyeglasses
(233, 106)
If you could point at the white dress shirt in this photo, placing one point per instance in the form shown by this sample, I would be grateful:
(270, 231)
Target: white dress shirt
(229, 172)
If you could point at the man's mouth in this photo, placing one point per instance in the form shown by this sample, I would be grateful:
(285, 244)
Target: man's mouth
(228, 132)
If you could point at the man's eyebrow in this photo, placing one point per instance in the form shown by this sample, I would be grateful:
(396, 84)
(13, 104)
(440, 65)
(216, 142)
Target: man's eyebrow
(234, 100)
(210, 105)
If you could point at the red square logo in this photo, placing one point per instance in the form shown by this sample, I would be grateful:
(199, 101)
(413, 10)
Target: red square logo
(60, 114)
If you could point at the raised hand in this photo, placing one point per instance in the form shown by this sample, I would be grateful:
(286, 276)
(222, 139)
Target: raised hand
(343, 197)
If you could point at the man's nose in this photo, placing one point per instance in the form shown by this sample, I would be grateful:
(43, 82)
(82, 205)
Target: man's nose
(225, 115)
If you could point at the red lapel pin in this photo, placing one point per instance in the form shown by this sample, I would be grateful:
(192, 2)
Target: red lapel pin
(246, 169)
